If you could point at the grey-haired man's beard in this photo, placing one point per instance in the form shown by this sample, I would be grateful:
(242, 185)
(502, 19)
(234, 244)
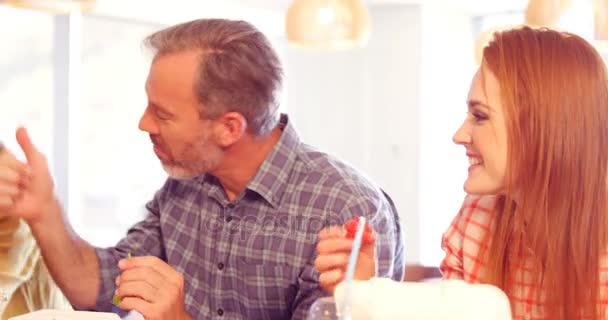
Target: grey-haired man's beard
(185, 173)
(177, 172)
(199, 161)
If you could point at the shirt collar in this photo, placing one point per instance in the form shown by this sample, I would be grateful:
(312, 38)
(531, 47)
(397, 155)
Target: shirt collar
(272, 177)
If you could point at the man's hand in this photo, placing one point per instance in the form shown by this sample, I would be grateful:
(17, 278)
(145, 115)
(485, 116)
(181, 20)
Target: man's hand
(151, 287)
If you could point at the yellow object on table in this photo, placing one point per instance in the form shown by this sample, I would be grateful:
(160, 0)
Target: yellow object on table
(115, 298)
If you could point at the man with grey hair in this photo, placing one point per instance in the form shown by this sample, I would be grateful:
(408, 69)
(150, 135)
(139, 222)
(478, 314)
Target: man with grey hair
(232, 233)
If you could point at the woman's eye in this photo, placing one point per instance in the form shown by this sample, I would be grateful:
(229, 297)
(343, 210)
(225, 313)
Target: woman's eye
(478, 116)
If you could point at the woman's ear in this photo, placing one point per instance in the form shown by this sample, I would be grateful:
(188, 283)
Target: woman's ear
(231, 127)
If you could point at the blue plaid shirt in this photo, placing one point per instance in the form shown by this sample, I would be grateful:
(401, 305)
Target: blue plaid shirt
(252, 258)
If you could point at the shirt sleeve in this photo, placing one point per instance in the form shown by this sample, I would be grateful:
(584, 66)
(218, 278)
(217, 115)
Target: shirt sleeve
(308, 291)
(465, 235)
(381, 213)
(144, 238)
(451, 242)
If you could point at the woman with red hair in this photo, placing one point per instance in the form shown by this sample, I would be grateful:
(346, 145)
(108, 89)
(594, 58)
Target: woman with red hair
(535, 221)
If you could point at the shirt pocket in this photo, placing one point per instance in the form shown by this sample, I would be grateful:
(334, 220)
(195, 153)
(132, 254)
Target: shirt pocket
(269, 289)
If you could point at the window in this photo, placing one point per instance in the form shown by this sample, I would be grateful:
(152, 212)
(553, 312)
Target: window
(117, 172)
(26, 77)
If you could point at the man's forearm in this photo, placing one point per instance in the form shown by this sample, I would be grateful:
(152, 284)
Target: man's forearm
(71, 261)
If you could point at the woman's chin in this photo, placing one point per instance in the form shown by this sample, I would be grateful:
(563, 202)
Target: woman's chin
(476, 187)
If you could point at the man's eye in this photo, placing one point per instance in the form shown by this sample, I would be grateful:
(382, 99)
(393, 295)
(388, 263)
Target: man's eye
(161, 115)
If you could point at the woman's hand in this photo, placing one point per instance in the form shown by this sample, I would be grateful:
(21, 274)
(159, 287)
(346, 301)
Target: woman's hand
(333, 252)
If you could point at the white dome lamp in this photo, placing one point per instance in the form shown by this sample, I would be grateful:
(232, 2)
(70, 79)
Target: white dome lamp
(52, 6)
(600, 22)
(573, 16)
(328, 24)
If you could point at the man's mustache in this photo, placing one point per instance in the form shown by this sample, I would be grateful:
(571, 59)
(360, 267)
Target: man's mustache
(156, 140)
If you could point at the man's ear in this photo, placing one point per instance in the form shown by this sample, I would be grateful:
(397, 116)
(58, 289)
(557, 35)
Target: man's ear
(231, 127)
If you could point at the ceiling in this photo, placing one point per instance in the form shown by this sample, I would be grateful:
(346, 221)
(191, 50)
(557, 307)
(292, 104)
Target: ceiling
(473, 6)
(265, 14)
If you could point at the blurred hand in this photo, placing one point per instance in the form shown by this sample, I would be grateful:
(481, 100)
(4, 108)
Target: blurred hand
(333, 252)
(151, 287)
(13, 176)
(26, 189)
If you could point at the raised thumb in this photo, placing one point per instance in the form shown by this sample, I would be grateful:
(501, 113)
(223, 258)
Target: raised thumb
(29, 149)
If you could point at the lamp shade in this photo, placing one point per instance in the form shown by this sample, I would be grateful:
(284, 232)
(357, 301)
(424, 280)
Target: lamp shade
(328, 24)
(600, 8)
(53, 6)
(545, 13)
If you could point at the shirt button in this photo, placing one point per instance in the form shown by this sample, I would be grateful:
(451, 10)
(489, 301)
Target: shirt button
(220, 312)
(231, 206)
(228, 219)
(220, 266)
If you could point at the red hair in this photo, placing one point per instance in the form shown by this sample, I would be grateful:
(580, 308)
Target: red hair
(554, 90)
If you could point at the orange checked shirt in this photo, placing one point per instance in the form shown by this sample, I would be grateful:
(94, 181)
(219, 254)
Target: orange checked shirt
(461, 243)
